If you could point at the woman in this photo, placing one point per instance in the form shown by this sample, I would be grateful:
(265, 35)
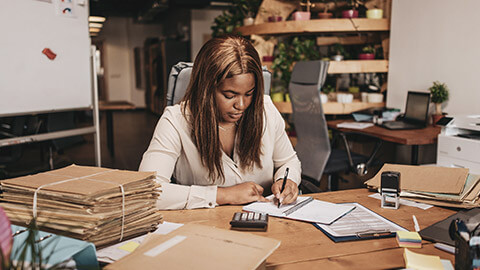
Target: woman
(225, 143)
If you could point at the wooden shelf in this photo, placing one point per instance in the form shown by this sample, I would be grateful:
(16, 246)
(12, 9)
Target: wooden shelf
(333, 107)
(316, 26)
(351, 66)
(357, 66)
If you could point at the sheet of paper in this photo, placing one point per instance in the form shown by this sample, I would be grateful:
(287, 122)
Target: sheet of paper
(406, 202)
(354, 125)
(122, 249)
(315, 211)
(360, 221)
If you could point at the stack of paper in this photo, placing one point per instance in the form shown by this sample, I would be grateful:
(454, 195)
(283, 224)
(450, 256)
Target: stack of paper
(409, 239)
(98, 205)
(452, 187)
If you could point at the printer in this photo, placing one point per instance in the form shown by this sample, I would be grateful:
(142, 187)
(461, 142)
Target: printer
(459, 142)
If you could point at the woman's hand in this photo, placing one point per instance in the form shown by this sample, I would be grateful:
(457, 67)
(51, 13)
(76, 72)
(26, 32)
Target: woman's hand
(289, 194)
(240, 194)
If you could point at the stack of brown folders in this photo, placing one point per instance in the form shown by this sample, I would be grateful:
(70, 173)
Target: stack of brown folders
(94, 204)
(452, 187)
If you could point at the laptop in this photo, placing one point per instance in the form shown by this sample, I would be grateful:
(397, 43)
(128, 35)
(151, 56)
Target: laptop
(416, 112)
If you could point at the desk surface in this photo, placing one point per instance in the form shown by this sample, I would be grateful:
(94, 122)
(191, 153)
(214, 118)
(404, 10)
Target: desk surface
(304, 246)
(422, 136)
(115, 105)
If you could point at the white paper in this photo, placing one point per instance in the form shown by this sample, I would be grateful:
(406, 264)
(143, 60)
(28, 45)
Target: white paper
(315, 211)
(113, 253)
(406, 202)
(354, 125)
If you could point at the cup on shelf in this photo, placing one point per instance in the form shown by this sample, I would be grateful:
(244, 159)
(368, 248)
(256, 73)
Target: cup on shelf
(364, 97)
(323, 98)
(374, 98)
(301, 16)
(344, 98)
(351, 13)
(248, 21)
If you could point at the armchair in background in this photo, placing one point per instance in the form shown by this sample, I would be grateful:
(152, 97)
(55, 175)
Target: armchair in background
(313, 145)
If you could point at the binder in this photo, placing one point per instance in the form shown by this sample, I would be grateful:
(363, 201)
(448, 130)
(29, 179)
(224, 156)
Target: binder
(55, 249)
(361, 229)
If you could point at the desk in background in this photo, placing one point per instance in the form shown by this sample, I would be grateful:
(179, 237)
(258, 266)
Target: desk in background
(305, 247)
(412, 137)
(109, 107)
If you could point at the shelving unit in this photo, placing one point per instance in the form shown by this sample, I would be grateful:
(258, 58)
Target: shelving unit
(333, 107)
(332, 26)
(316, 26)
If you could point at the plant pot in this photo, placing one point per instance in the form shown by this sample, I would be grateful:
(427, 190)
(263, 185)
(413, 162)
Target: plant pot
(374, 97)
(436, 117)
(301, 16)
(277, 97)
(268, 58)
(325, 15)
(366, 56)
(248, 21)
(351, 13)
(275, 18)
(323, 98)
(375, 13)
(337, 57)
(344, 98)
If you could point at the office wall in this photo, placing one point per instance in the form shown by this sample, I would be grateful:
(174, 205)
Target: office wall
(121, 36)
(202, 20)
(435, 40)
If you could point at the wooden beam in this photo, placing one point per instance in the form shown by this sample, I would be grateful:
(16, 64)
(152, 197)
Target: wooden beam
(333, 107)
(351, 40)
(357, 66)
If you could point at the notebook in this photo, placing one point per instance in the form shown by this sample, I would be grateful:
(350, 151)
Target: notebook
(416, 112)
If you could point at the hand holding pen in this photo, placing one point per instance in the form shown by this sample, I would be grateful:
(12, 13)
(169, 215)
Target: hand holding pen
(285, 191)
(283, 187)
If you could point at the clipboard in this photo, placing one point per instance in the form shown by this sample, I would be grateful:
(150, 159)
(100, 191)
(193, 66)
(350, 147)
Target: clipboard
(55, 249)
(368, 225)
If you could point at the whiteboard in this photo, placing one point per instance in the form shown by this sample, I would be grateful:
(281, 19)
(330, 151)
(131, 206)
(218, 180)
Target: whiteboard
(29, 81)
(434, 40)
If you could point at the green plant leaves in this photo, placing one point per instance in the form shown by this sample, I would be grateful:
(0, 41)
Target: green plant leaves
(439, 92)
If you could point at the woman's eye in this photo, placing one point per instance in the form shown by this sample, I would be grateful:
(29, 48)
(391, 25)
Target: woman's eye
(228, 96)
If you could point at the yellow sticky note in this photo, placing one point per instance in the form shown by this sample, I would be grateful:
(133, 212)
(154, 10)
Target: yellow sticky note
(409, 235)
(421, 262)
(129, 246)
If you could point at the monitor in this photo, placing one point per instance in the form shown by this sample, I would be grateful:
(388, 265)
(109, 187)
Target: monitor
(416, 109)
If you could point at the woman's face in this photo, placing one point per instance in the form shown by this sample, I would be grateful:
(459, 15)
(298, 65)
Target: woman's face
(233, 97)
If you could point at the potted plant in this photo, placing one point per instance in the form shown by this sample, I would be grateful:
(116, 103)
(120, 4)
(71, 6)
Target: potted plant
(368, 53)
(289, 52)
(439, 92)
(338, 52)
(234, 15)
(303, 15)
(352, 12)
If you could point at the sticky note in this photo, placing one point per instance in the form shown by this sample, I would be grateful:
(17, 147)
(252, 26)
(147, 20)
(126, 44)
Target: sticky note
(421, 262)
(409, 239)
(129, 246)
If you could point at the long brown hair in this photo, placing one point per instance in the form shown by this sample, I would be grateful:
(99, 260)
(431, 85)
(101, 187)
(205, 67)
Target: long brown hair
(220, 58)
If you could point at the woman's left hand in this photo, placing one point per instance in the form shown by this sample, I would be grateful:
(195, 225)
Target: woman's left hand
(289, 194)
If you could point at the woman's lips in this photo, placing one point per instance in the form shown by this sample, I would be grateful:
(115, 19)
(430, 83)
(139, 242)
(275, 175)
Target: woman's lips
(235, 115)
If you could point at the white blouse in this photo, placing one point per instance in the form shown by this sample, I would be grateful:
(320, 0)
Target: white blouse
(172, 152)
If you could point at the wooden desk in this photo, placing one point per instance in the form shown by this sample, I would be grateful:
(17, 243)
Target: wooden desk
(109, 107)
(413, 137)
(332, 107)
(305, 247)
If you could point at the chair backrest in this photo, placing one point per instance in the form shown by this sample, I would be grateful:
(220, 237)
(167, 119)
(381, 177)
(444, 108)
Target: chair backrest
(313, 145)
(179, 79)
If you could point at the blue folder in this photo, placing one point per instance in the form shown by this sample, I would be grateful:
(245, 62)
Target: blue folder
(56, 249)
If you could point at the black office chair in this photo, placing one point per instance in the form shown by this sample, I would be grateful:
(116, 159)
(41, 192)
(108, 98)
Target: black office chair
(313, 145)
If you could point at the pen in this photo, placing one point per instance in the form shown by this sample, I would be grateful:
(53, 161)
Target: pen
(415, 223)
(283, 186)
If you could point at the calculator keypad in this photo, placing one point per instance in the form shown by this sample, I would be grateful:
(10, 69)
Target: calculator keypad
(249, 220)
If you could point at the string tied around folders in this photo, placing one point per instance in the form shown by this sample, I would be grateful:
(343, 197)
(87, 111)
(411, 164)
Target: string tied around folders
(35, 195)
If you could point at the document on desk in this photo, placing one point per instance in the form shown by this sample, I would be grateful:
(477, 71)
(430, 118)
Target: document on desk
(305, 209)
(354, 125)
(361, 223)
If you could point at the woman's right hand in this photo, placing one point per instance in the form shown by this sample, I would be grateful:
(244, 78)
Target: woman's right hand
(240, 194)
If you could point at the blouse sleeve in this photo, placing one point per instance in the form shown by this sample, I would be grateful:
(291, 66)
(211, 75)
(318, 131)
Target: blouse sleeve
(284, 156)
(161, 157)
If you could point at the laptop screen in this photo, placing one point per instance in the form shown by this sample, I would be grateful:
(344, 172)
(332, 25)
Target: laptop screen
(417, 107)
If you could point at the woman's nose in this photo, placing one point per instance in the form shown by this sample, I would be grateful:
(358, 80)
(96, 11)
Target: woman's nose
(240, 104)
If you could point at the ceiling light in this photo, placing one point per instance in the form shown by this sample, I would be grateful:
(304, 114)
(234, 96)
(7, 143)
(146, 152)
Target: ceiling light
(95, 25)
(96, 19)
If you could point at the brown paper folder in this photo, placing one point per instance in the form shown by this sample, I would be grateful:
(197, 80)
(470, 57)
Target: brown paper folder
(195, 246)
(425, 178)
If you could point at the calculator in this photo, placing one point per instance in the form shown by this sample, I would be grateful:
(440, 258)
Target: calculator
(249, 221)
